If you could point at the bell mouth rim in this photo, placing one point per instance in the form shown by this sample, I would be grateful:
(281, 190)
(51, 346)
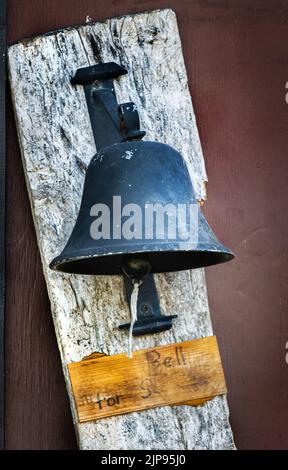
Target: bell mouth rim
(214, 256)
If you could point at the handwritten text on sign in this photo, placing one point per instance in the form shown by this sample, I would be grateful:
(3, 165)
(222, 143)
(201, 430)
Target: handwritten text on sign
(183, 373)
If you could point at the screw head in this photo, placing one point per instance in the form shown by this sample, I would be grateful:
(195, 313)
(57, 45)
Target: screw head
(144, 308)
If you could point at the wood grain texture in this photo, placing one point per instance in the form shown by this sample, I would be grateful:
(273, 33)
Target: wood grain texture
(57, 144)
(187, 373)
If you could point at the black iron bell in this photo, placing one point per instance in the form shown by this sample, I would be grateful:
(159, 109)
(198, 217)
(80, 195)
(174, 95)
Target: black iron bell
(138, 214)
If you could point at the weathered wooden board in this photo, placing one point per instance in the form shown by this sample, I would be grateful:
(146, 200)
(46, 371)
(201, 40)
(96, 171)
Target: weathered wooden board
(57, 144)
(186, 373)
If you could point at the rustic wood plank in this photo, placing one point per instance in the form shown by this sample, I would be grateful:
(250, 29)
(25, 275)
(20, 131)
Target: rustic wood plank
(57, 144)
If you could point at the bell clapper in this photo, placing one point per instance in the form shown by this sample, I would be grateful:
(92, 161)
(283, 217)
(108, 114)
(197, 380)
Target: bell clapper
(136, 267)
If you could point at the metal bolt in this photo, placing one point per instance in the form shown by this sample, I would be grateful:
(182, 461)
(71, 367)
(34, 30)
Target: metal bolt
(144, 308)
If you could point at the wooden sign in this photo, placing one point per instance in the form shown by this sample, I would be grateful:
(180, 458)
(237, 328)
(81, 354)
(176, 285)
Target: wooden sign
(184, 373)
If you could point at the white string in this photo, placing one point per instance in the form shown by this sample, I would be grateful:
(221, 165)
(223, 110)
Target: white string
(133, 313)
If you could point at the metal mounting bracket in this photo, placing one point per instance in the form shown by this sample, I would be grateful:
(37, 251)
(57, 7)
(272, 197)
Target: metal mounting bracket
(111, 123)
(149, 317)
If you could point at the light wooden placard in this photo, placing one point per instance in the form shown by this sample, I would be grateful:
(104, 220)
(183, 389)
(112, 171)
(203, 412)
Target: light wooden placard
(183, 373)
(57, 145)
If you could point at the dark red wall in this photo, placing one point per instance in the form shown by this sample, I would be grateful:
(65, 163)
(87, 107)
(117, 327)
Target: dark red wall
(237, 60)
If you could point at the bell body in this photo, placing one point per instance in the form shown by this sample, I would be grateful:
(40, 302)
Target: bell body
(138, 199)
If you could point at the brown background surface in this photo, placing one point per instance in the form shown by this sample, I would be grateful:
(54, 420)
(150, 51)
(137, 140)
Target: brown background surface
(237, 60)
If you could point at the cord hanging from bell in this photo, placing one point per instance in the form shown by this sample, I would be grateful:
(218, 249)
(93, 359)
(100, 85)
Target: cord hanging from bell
(137, 269)
(133, 313)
